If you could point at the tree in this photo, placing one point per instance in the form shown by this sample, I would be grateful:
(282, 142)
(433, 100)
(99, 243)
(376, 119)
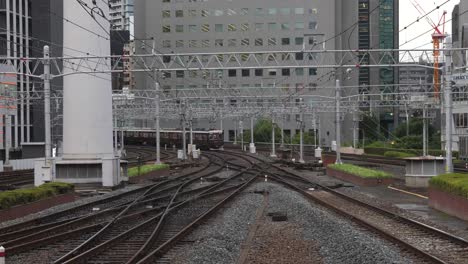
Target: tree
(262, 131)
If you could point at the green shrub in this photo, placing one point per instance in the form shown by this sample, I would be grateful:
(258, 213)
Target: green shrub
(360, 171)
(416, 152)
(397, 154)
(455, 183)
(146, 169)
(24, 196)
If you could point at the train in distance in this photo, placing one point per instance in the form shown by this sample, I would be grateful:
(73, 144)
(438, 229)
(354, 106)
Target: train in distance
(209, 139)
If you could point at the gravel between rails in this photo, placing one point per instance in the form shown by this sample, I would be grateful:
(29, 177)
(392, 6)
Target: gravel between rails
(66, 206)
(339, 240)
(220, 239)
(313, 234)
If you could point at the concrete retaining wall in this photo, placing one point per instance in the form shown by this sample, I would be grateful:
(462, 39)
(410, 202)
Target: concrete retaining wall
(34, 207)
(448, 203)
(358, 180)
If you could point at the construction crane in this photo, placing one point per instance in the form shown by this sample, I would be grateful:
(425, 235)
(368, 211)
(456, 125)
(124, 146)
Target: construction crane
(437, 37)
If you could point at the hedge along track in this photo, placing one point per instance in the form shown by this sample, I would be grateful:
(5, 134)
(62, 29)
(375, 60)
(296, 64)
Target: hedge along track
(430, 244)
(56, 227)
(179, 215)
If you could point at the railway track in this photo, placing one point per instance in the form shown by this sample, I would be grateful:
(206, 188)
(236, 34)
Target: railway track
(131, 231)
(430, 244)
(14, 179)
(146, 154)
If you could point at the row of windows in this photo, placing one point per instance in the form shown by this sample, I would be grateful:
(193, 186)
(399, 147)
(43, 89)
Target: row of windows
(236, 11)
(206, 43)
(287, 86)
(247, 73)
(272, 26)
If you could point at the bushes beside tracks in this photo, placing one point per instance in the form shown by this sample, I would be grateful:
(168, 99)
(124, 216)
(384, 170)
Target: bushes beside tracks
(360, 171)
(23, 196)
(454, 183)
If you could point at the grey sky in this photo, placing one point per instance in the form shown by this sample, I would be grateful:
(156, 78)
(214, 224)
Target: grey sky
(408, 14)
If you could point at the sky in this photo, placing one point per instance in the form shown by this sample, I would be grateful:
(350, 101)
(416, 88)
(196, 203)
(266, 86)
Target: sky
(409, 14)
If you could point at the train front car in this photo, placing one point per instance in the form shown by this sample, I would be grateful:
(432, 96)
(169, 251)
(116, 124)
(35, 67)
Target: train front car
(216, 139)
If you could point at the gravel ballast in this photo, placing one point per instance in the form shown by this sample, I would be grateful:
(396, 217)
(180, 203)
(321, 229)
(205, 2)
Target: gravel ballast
(339, 240)
(220, 239)
(310, 234)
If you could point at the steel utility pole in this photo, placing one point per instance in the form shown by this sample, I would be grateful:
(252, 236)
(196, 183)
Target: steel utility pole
(338, 123)
(424, 131)
(241, 127)
(252, 142)
(273, 151)
(184, 136)
(301, 136)
(448, 107)
(158, 128)
(47, 77)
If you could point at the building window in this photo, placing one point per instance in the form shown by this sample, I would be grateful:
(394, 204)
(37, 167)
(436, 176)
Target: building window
(205, 28)
(285, 11)
(272, 26)
(312, 71)
(219, 42)
(167, 75)
(179, 28)
(285, 41)
(313, 86)
(299, 25)
(298, 41)
(166, 1)
(205, 13)
(218, 12)
(231, 12)
(180, 74)
(461, 120)
(272, 11)
(232, 42)
(313, 25)
(232, 73)
(272, 72)
(219, 27)
(244, 11)
(179, 13)
(245, 72)
(166, 43)
(299, 56)
(179, 43)
(245, 42)
(312, 41)
(300, 72)
(259, 12)
(193, 74)
(232, 27)
(192, 28)
(285, 26)
(166, 28)
(205, 43)
(259, 42)
(285, 72)
(166, 13)
(193, 44)
(192, 13)
(245, 27)
(271, 41)
(258, 26)
(299, 11)
(259, 72)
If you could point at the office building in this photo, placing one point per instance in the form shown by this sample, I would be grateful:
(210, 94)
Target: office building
(184, 26)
